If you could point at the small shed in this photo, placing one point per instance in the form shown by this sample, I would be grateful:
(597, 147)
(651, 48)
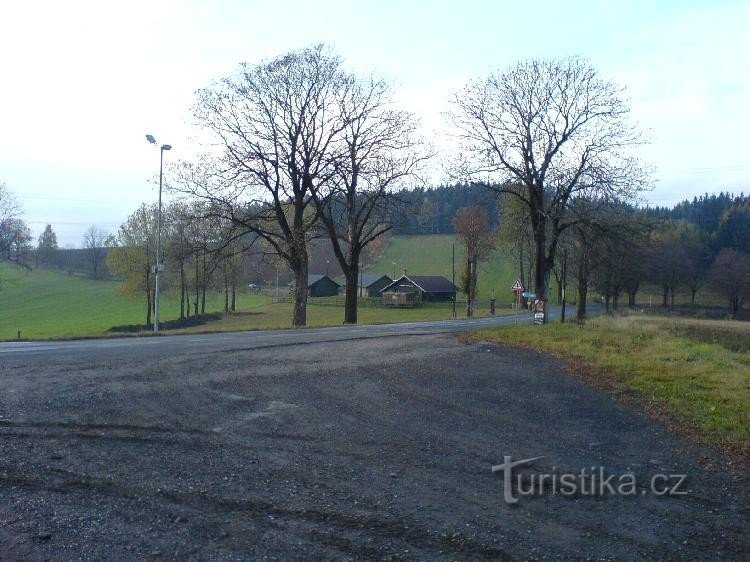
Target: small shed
(370, 285)
(427, 288)
(322, 286)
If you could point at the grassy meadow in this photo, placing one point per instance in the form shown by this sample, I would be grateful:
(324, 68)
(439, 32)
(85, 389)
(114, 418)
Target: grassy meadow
(45, 304)
(693, 373)
(431, 255)
(50, 304)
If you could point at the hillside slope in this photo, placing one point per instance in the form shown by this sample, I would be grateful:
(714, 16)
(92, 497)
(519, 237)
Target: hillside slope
(44, 303)
(431, 255)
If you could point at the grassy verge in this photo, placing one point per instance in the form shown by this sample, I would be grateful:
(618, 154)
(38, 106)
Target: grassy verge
(693, 374)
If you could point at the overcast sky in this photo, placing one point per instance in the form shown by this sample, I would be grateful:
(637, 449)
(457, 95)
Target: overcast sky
(83, 82)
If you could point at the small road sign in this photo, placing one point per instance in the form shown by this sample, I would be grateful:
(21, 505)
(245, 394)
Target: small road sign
(528, 295)
(517, 286)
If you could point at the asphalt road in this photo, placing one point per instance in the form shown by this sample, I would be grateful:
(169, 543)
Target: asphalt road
(203, 343)
(374, 442)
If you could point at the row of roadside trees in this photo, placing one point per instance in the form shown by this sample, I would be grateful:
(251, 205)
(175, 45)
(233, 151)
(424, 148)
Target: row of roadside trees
(615, 250)
(308, 149)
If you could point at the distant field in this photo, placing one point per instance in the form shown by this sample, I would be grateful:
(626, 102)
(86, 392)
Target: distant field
(431, 255)
(51, 304)
(45, 304)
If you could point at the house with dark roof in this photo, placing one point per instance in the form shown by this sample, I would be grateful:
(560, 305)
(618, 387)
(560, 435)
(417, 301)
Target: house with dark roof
(408, 289)
(321, 286)
(370, 285)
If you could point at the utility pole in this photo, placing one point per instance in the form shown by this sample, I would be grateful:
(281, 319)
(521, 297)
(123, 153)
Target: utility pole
(159, 267)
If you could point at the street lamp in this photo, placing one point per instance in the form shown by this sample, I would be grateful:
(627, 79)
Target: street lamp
(394, 270)
(159, 266)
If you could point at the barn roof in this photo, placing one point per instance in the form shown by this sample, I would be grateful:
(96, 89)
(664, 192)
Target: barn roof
(369, 278)
(427, 283)
(433, 283)
(315, 277)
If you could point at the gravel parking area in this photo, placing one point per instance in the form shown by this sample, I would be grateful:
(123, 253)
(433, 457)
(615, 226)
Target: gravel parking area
(376, 448)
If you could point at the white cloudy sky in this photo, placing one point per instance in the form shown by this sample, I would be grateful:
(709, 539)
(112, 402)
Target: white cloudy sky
(82, 82)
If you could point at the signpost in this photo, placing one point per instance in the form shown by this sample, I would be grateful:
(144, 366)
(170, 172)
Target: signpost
(518, 289)
(539, 310)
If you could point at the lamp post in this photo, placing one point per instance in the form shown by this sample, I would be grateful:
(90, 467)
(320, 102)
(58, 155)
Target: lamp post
(394, 270)
(159, 266)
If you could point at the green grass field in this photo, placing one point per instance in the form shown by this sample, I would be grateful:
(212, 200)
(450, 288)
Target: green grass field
(50, 304)
(431, 255)
(696, 371)
(46, 304)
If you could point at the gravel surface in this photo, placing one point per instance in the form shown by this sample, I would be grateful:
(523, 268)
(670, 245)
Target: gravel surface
(377, 448)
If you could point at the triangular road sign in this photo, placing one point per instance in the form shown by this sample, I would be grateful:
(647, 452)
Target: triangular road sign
(517, 286)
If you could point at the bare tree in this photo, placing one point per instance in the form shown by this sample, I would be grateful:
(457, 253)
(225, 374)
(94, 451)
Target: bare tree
(379, 149)
(730, 275)
(516, 238)
(95, 242)
(277, 123)
(9, 206)
(547, 132)
(15, 236)
(597, 241)
(472, 226)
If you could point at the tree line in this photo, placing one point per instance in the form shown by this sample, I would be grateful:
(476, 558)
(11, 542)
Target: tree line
(614, 250)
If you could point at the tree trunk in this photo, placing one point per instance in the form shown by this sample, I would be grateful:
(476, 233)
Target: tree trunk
(226, 294)
(541, 278)
(558, 284)
(300, 293)
(182, 291)
(352, 273)
(350, 298)
(234, 296)
(204, 275)
(665, 296)
(693, 290)
(583, 288)
(632, 292)
(472, 288)
(197, 288)
(671, 299)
